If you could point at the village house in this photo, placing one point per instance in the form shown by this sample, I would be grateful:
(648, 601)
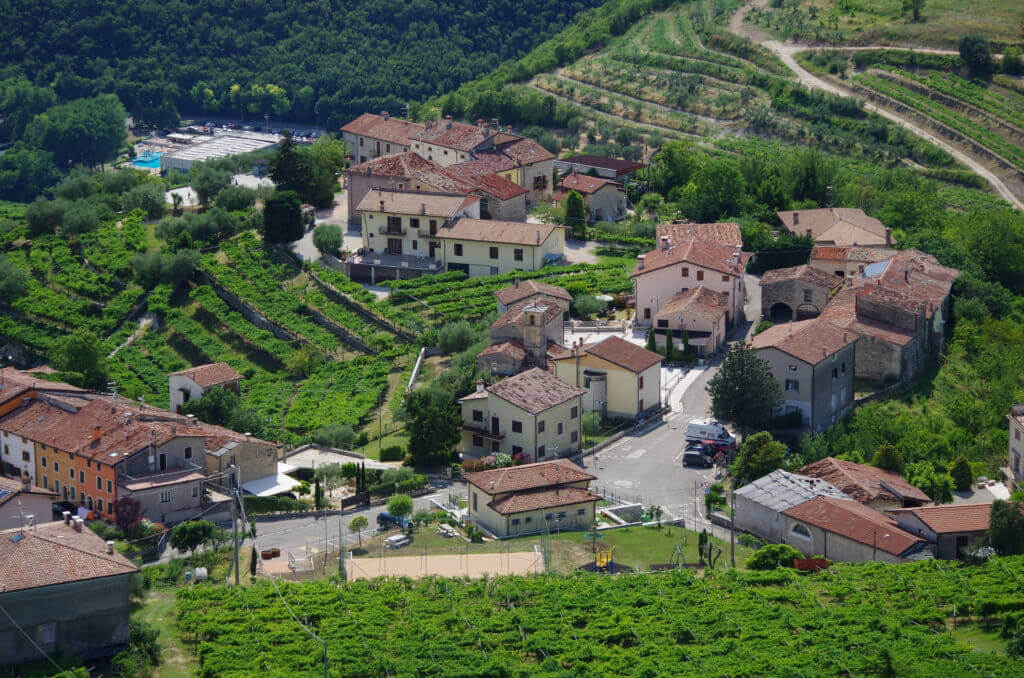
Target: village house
(620, 379)
(950, 528)
(548, 496)
(603, 199)
(1015, 468)
(847, 261)
(192, 383)
(532, 416)
(525, 336)
(876, 488)
(521, 161)
(697, 317)
(837, 226)
(372, 136)
(484, 247)
(796, 293)
(813, 361)
(599, 166)
(760, 503)
(22, 503)
(726, 233)
(679, 266)
(846, 531)
(533, 291)
(66, 593)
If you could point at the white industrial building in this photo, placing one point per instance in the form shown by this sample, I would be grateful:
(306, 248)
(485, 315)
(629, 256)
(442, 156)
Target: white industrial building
(232, 143)
(760, 503)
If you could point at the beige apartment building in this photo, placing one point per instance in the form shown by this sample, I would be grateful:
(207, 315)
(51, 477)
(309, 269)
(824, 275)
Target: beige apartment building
(546, 496)
(837, 226)
(620, 378)
(407, 222)
(700, 313)
(532, 416)
(485, 247)
(373, 136)
(603, 199)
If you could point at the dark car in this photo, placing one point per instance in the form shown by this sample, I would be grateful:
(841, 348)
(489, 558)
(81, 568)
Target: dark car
(59, 507)
(697, 458)
(385, 521)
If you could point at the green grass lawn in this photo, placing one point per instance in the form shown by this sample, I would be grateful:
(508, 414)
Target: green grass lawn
(176, 661)
(980, 638)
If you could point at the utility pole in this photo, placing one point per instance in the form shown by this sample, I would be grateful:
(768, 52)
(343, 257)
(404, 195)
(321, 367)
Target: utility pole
(732, 529)
(342, 548)
(234, 531)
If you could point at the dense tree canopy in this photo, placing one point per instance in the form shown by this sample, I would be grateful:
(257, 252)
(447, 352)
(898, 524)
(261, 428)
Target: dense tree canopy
(744, 391)
(324, 60)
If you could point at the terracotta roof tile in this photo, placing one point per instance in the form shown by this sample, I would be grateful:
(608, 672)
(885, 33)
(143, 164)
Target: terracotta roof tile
(484, 162)
(698, 301)
(160, 479)
(586, 184)
(864, 483)
(12, 487)
(808, 340)
(726, 233)
(415, 202)
(841, 226)
(864, 255)
(386, 129)
(617, 165)
(841, 311)
(854, 521)
(527, 288)
(699, 253)
(534, 391)
(498, 186)
(211, 374)
(412, 167)
(919, 276)
(541, 474)
(803, 273)
(455, 135)
(532, 500)
(524, 151)
(516, 314)
(491, 230)
(55, 553)
(512, 348)
(952, 517)
(623, 353)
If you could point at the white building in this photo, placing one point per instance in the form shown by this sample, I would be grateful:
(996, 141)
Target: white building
(192, 383)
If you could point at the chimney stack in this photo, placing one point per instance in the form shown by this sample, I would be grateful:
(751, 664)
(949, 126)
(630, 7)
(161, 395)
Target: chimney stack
(906, 275)
(97, 433)
(640, 261)
(515, 282)
(110, 548)
(538, 238)
(67, 517)
(810, 234)
(796, 218)
(860, 270)
(385, 115)
(888, 236)
(666, 242)
(26, 481)
(480, 386)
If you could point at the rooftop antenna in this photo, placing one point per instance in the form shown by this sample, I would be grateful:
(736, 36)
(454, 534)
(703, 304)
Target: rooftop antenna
(112, 386)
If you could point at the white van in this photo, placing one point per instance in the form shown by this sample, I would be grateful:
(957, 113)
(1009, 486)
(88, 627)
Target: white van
(396, 541)
(708, 429)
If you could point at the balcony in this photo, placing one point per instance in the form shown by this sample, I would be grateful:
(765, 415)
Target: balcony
(482, 432)
(387, 230)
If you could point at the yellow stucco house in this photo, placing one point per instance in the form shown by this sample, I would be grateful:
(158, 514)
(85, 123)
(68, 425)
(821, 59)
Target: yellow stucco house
(549, 495)
(620, 378)
(488, 247)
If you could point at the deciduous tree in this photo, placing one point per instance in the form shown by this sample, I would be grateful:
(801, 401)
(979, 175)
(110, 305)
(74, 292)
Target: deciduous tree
(400, 505)
(357, 525)
(1006, 528)
(759, 455)
(82, 357)
(434, 424)
(282, 218)
(327, 238)
(190, 535)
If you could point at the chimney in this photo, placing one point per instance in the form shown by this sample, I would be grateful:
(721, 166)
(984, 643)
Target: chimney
(385, 115)
(67, 517)
(888, 236)
(860, 270)
(480, 386)
(538, 238)
(110, 548)
(848, 281)
(77, 524)
(515, 282)
(97, 433)
(845, 339)
(666, 242)
(906, 275)
(640, 261)
(810, 234)
(796, 218)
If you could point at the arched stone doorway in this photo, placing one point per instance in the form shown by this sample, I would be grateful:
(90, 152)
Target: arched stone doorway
(807, 311)
(780, 313)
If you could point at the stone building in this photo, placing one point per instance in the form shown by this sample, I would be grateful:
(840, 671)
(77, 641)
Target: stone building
(876, 488)
(192, 383)
(838, 226)
(524, 336)
(796, 293)
(760, 503)
(531, 290)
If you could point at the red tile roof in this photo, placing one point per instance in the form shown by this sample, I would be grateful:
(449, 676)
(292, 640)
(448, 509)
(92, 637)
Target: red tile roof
(541, 474)
(804, 273)
(617, 165)
(455, 135)
(698, 301)
(511, 348)
(808, 340)
(841, 311)
(12, 487)
(492, 230)
(951, 518)
(527, 288)
(534, 391)
(498, 186)
(920, 277)
(161, 479)
(516, 314)
(211, 374)
(586, 184)
(533, 500)
(705, 254)
(854, 521)
(55, 553)
(864, 483)
(625, 354)
(415, 202)
(413, 167)
(726, 233)
(524, 151)
(484, 162)
(842, 226)
(864, 255)
(386, 129)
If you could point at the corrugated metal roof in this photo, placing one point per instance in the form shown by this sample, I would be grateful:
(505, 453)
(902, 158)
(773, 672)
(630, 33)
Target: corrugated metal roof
(781, 490)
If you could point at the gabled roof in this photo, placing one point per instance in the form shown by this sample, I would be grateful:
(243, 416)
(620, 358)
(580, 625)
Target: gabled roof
(617, 165)
(455, 135)
(497, 185)
(516, 315)
(841, 226)
(533, 500)
(524, 151)
(55, 553)
(423, 203)
(808, 340)
(527, 288)
(950, 518)
(534, 391)
(696, 252)
(841, 311)
(586, 184)
(726, 233)
(856, 522)
(510, 348)
(920, 277)
(780, 490)
(803, 273)
(415, 168)
(864, 483)
(699, 301)
(384, 128)
(12, 487)
(211, 374)
(491, 230)
(863, 255)
(541, 474)
(625, 354)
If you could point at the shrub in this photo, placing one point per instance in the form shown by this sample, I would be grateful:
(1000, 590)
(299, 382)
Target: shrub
(591, 423)
(335, 435)
(148, 197)
(586, 305)
(392, 453)
(960, 471)
(82, 217)
(235, 198)
(772, 556)
(327, 238)
(762, 326)
(255, 505)
(455, 337)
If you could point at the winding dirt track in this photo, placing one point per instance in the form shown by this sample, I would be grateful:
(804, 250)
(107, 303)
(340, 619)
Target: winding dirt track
(785, 52)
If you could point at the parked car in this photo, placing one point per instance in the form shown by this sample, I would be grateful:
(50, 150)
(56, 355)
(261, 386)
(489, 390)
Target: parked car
(708, 429)
(385, 521)
(697, 458)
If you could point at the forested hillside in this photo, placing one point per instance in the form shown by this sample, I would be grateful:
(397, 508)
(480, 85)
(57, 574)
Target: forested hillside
(327, 60)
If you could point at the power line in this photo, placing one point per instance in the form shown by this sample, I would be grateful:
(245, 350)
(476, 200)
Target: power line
(41, 650)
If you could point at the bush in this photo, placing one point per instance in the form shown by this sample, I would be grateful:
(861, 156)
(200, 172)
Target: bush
(772, 556)
(591, 424)
(392, 453)
(749, 540)
(256, 505)
(960, 471)
(762, 326)
(148, 197)
(235, 198)
(335, 435)
(327, 238)
(455, 337)
(82, 217)
(586, 305)
(43, 216)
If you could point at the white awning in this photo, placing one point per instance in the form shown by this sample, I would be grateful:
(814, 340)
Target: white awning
(271, 485)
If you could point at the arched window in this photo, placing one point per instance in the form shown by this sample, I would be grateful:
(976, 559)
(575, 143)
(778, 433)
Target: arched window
(799, 530)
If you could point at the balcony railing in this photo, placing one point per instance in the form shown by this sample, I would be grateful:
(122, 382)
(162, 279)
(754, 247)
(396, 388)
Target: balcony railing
(483, 432)
(385, 230)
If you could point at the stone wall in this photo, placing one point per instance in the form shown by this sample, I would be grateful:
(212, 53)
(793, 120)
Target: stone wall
(791, 293)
